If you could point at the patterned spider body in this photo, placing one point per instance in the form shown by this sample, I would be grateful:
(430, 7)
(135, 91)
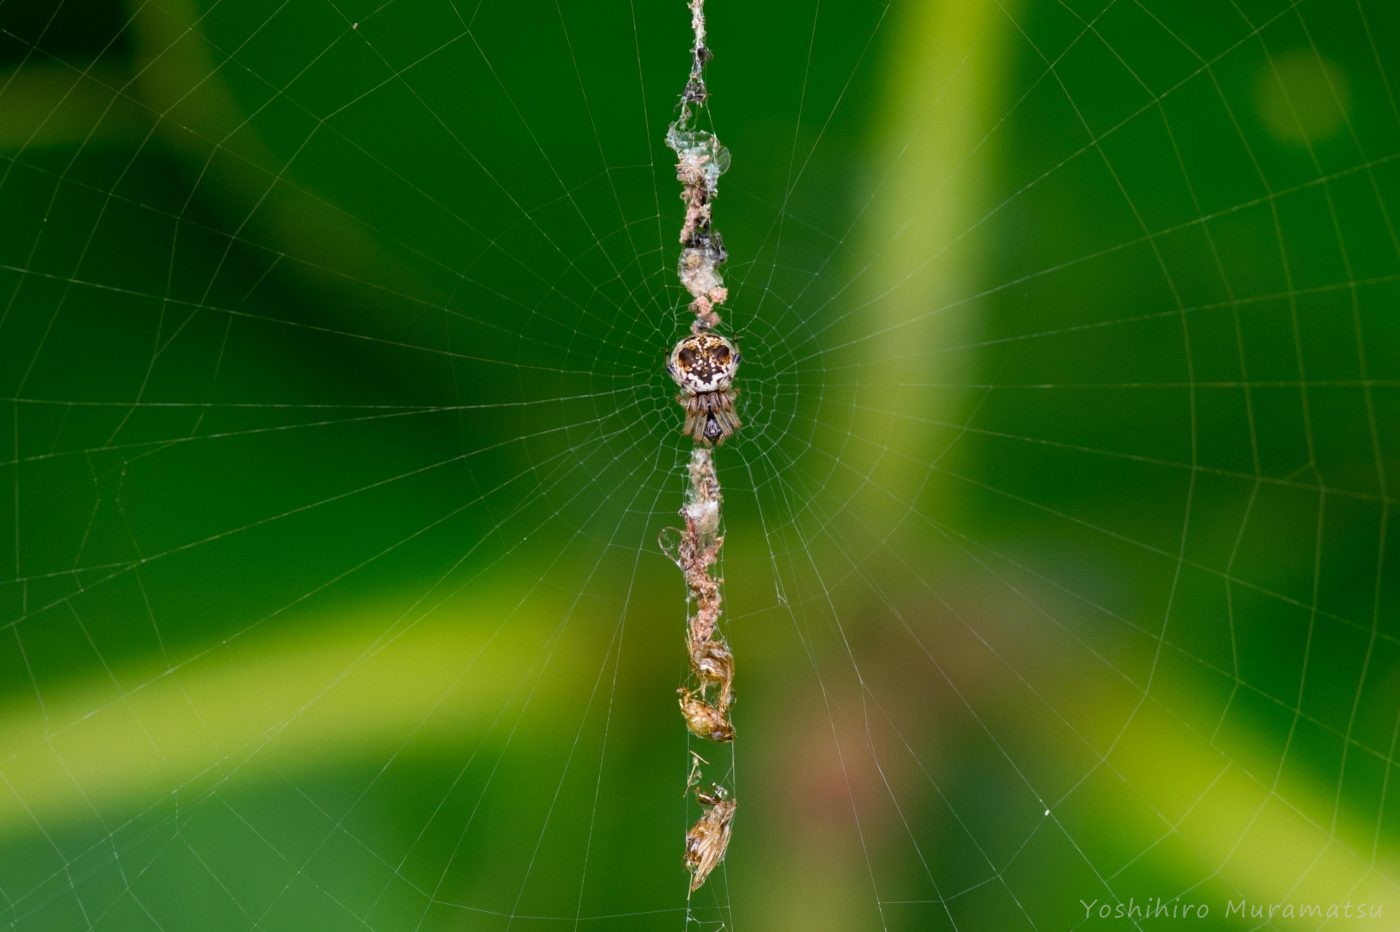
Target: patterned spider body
(703, 365)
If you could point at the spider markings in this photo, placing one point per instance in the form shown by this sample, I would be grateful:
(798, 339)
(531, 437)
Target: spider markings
(703, 364)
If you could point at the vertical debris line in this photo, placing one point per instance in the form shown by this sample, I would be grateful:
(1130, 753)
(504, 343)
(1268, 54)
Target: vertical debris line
(703, 364)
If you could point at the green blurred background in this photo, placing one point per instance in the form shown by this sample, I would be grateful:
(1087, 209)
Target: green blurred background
(335, 441)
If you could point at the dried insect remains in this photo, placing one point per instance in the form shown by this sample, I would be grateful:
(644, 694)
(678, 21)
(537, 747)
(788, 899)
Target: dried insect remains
(707, 839)
(703, 363)
(695, 549)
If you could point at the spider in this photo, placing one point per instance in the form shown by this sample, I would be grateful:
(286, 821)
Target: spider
(703, 365)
